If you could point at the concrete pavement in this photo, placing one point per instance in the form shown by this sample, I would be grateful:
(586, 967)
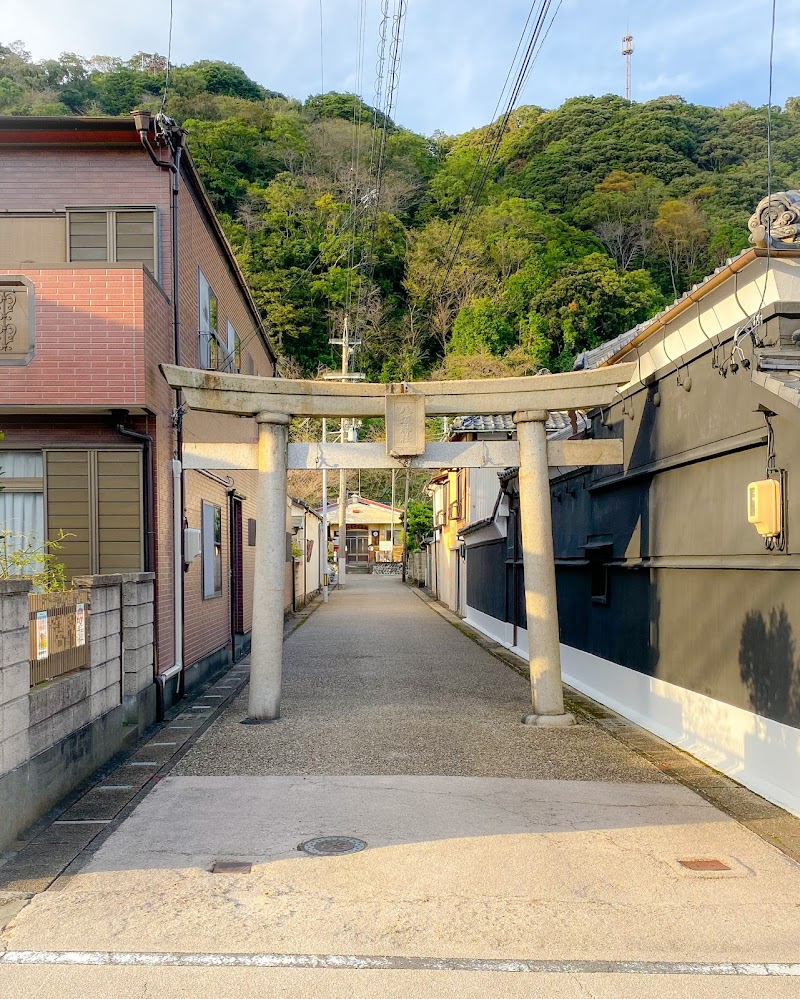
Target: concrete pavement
(500, 857)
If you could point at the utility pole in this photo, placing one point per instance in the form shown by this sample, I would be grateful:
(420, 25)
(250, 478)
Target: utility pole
(394, 474)
(324, 552)
(627, 51)
(348, 433)
(405, 529)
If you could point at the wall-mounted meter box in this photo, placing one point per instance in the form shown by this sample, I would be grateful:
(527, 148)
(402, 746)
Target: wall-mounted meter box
(764, 507)
(191, 544)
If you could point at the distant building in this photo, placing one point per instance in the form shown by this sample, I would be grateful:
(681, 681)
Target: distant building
(374, 530)
(308, 558)
(95, 236)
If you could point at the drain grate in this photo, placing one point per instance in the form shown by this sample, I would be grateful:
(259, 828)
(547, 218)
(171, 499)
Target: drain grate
(231, 867)
(705, 864)
(332, 846)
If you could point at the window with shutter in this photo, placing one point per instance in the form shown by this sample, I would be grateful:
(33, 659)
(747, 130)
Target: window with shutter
(88, 236)
(135, 238)
(114, 235)
(95, 497)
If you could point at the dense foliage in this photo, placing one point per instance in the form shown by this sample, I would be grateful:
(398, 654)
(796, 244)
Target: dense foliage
(593, 216)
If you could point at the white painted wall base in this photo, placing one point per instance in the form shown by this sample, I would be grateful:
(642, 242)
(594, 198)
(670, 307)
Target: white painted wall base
(761, 754)
(500, 631)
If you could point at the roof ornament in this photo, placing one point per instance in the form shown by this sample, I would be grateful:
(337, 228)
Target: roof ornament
(776, 221)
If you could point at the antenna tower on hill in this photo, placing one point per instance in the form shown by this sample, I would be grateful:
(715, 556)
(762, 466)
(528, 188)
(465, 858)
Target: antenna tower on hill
(627, 51)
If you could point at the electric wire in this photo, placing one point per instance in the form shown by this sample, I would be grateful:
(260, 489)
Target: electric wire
(488, 131)
(169, 62)
(321, 52)
(387, 83)
(355, 155)
(749, 328)
(484, 145)
(533, 49)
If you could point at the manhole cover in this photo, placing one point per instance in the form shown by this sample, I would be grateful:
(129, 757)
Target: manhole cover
(231, 867)
(332, 846)
(702, 865)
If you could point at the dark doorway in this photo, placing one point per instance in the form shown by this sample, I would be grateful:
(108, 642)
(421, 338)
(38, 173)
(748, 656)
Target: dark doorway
(357, 546)
(237, 575)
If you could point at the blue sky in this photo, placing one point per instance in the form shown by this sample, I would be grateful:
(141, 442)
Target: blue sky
(457, 52)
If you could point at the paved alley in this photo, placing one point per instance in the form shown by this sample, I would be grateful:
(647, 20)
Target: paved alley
(499, 857)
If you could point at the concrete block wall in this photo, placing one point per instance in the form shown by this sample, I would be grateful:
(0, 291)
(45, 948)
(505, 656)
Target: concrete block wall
(417, 566)
(15, 673)
(55, 734)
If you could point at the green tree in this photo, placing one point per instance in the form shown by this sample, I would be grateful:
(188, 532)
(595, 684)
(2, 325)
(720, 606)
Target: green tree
(419, 523)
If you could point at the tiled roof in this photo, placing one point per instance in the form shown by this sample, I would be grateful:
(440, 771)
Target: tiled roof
(504, 424)
(482, 424)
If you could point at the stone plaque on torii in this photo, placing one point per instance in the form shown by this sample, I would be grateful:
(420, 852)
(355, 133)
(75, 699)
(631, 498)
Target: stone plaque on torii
(275, 401)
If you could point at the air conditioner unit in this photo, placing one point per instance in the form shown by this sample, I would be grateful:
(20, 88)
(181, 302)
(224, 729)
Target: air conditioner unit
(441, 518)
(455, 510)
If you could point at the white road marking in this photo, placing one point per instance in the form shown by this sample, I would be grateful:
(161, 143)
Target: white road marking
(163, 743)
(114, 787)
(81, 822)
(143, 763)
(396, 963)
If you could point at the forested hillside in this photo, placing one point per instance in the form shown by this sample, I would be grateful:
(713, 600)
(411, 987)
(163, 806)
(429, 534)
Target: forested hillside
(592, 216)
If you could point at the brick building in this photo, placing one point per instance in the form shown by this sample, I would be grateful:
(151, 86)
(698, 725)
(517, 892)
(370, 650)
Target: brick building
(111, 262)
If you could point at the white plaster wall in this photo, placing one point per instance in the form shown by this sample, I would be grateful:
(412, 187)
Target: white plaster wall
(761, 754)
(483, 486)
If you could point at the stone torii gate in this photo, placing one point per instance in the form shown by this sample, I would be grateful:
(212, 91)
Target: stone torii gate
(275, 401)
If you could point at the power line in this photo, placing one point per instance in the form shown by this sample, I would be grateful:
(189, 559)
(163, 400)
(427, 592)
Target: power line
(486, 136)
(753, 322)
(385, 95)
(321, 52)
(537, 38)
(169, 62)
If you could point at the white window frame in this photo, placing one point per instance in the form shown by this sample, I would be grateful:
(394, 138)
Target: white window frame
(210, 516)
(31, 487)
(206, 332)
(233, 348)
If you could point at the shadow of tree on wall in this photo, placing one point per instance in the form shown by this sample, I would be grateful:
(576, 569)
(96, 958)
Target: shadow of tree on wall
(767, 666)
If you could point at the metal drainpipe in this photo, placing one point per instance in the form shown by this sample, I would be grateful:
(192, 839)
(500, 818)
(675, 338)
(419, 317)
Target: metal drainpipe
(143, 120)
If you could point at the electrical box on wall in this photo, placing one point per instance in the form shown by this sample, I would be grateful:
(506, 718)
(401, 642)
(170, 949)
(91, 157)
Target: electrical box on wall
(191, 544)
(764, 507)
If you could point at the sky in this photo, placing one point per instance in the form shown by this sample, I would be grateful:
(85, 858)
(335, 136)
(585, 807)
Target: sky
(456, 53)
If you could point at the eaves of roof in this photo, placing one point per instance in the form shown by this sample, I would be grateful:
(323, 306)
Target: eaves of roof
(614, 350)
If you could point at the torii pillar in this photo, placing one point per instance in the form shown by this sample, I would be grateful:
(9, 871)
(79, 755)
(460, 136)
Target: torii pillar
(544, 650)
(266, 653)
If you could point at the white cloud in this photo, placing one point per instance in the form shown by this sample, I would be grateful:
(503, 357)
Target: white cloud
(457, 52)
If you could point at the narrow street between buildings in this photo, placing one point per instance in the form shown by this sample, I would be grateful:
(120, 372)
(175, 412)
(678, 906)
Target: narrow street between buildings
(489, 856)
